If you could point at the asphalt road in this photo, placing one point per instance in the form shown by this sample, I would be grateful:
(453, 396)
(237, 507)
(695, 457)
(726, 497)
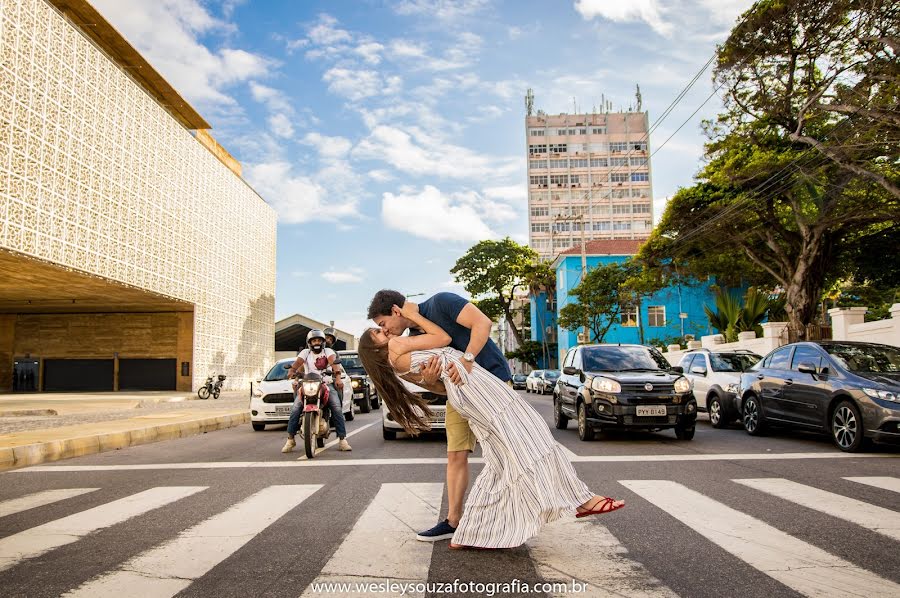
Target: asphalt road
(227, 514)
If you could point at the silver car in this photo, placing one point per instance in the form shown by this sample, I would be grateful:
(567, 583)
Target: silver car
(437, 404)
(716, 376)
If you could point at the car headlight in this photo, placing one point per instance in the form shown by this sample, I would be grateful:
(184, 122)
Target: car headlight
(601, 384)
(690, 407)
(884, 395)
(257, 392)
(733, 388)
(682, 385)
(310, 389)
(355, 384)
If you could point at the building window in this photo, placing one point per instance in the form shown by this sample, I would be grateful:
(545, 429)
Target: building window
(622, 209)
(619, 146)
(540, 211)
(538, 179)
(578, 163)
(656, 315)
(560, 131)
(537, 149)
(537, 164)
(637, 177)
(618, 177)
(641, 208)
(598, 131)
(640, 192)
(540, 227)
(598, 148)
(564, 163)
(600, 210)
(559, 179)
(628, 315)
(639, 161)
(599, 163)
(558, 148)
(618, 161)
(640, 146)
(621, 225)
(536, 132)
(573, 179)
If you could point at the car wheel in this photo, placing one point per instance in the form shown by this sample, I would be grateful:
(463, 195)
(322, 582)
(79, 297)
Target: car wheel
(847, 427)
(375, 403)
(585, 431)
(365, 406)
(258, 427)
(753, 419)
(560, 420)
(683, 433)
(388, 434)
(716, 412)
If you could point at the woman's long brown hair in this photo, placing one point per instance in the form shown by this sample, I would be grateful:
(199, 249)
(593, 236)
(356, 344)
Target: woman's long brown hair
(409, 409)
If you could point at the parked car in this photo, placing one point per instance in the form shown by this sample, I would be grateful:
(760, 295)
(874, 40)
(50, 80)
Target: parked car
(625, 387)
(437, 404)
(546, 382)
(716, 376)
(849, 390)
(272, 397)
(364, 394)
(518, 381)
(531, 381)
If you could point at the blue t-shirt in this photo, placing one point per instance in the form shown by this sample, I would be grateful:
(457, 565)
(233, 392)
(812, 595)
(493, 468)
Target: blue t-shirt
(443, 309)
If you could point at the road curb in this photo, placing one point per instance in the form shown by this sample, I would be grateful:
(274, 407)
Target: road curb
(55, 450)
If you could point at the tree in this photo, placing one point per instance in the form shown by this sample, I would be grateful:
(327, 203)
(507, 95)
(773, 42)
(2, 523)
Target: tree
(539, 277)
(732, 316)
(598, 301)
(826, 74)
(491, 271)
(530, 352)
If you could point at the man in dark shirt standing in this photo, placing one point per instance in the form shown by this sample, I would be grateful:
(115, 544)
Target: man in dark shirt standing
(469, 331)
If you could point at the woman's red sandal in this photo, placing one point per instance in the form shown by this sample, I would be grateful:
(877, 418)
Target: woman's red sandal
(606, 505)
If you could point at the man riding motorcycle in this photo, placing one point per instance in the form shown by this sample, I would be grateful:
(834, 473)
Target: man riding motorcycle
(316, 357)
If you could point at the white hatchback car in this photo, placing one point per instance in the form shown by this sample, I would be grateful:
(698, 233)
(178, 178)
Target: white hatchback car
(436, 403)
(716, 376)
(273, 396)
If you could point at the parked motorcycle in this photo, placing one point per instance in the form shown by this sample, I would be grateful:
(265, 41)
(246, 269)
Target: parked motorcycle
(210, 388)
(314, 423)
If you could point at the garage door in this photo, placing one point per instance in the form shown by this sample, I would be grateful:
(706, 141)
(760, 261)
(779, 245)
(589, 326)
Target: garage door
(147, 374)
(78, 374)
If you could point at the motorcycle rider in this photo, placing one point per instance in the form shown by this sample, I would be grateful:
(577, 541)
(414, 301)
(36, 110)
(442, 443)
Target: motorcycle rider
(316, 357)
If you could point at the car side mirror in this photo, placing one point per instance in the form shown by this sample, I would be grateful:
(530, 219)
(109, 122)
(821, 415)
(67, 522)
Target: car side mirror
(700, 371)
(807, 368)
(677, 369)
(571, 371)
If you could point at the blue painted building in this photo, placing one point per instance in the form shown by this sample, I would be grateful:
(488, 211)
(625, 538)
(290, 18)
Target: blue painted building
(671, 312)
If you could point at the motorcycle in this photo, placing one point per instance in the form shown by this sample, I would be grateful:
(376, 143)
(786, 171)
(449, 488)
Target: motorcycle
(210, 388)
(314, 423)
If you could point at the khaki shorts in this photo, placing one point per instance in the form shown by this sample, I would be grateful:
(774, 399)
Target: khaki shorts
(459, 434)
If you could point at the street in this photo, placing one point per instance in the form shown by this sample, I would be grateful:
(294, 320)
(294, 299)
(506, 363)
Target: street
(227, 514)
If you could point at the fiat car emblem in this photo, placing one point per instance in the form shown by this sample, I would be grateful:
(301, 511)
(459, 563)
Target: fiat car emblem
(648, 387)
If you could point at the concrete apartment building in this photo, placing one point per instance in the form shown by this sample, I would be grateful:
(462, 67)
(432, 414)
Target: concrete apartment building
(588, 177)
(132, 253)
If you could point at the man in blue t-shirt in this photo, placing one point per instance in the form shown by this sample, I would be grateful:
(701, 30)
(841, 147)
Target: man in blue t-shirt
(469, 331)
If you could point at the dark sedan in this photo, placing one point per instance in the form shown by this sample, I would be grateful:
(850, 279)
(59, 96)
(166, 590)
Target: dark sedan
(518, 381)
(623, 386)
(849, 390)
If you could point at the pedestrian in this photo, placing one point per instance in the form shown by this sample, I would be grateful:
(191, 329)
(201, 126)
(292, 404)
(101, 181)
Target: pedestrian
(527, 479)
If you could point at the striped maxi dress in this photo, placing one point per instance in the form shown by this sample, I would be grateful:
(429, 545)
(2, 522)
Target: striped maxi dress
(527, 480)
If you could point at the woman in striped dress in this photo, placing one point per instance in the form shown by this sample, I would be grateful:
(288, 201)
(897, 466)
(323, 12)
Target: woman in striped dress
(527, 480)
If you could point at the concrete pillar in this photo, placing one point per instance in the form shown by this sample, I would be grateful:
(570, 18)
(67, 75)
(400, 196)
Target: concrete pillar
(775, 334)
(7, 338)
(748, 335)
(712, 340)
(842, 318)
(671, 348)
(694, 345)
(184, 351)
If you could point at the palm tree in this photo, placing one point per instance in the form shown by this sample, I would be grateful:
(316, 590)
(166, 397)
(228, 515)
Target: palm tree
(732, 317)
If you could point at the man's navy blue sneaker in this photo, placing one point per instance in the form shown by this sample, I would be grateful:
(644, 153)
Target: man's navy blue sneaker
(441, 531)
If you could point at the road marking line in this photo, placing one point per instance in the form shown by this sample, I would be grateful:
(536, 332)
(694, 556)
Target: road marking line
(872, 517)
(172, 566)
(885, 483)
(801, 566)
(443, 461)
(387, 529)
(43, 538)
(337, 440)
(572, 456)
(560, 554)
(39, 499)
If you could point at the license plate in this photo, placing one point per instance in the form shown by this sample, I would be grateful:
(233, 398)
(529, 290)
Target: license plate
(651, 410)
(359, 395)
(285, 410)
(437, 418)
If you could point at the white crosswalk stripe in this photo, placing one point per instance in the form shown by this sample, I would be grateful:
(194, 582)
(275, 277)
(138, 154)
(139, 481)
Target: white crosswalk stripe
(43, 538)
(169, 568)
(801, 566)
(872, 517)
(386, 528)
(589, 553)
(885, 483)
(39, 499)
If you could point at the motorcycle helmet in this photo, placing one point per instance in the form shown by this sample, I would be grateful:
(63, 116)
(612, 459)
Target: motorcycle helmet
(330, 332)
(315, 333)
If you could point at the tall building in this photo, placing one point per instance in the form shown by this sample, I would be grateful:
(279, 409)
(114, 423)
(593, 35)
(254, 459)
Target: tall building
(588, 178)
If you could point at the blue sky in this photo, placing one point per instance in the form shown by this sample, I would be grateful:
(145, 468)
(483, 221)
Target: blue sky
(389, 134)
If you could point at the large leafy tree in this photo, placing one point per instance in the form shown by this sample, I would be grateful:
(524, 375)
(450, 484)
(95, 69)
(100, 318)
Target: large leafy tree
(598, 301)
(491, 271)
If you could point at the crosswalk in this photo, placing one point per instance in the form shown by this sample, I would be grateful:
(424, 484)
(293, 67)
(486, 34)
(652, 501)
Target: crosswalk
(380, 546)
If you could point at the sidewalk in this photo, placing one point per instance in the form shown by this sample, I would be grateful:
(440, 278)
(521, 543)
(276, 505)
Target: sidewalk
(36, 428)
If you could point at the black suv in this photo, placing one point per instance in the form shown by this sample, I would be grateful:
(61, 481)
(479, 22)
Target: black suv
(623, 386)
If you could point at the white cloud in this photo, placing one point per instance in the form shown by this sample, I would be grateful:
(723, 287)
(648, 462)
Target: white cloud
(380, 175)
(355, 84)
(342, 277)
(281, 126)
(328, 147)
(272, 98)
(649, 11)
(433, 215)
(325, 32)
(401, 48)
(167, 33)
(440, 9)
(370, 51)
(297, 198)
(510, 193)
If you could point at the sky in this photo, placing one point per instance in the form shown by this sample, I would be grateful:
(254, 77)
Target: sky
(389, 136)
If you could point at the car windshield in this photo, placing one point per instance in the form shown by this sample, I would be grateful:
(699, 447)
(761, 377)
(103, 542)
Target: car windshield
(623, 359)
(866, 358)
(519, 377)
(278, 372)
(551, 374)
(352, 364)
(732, 362)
